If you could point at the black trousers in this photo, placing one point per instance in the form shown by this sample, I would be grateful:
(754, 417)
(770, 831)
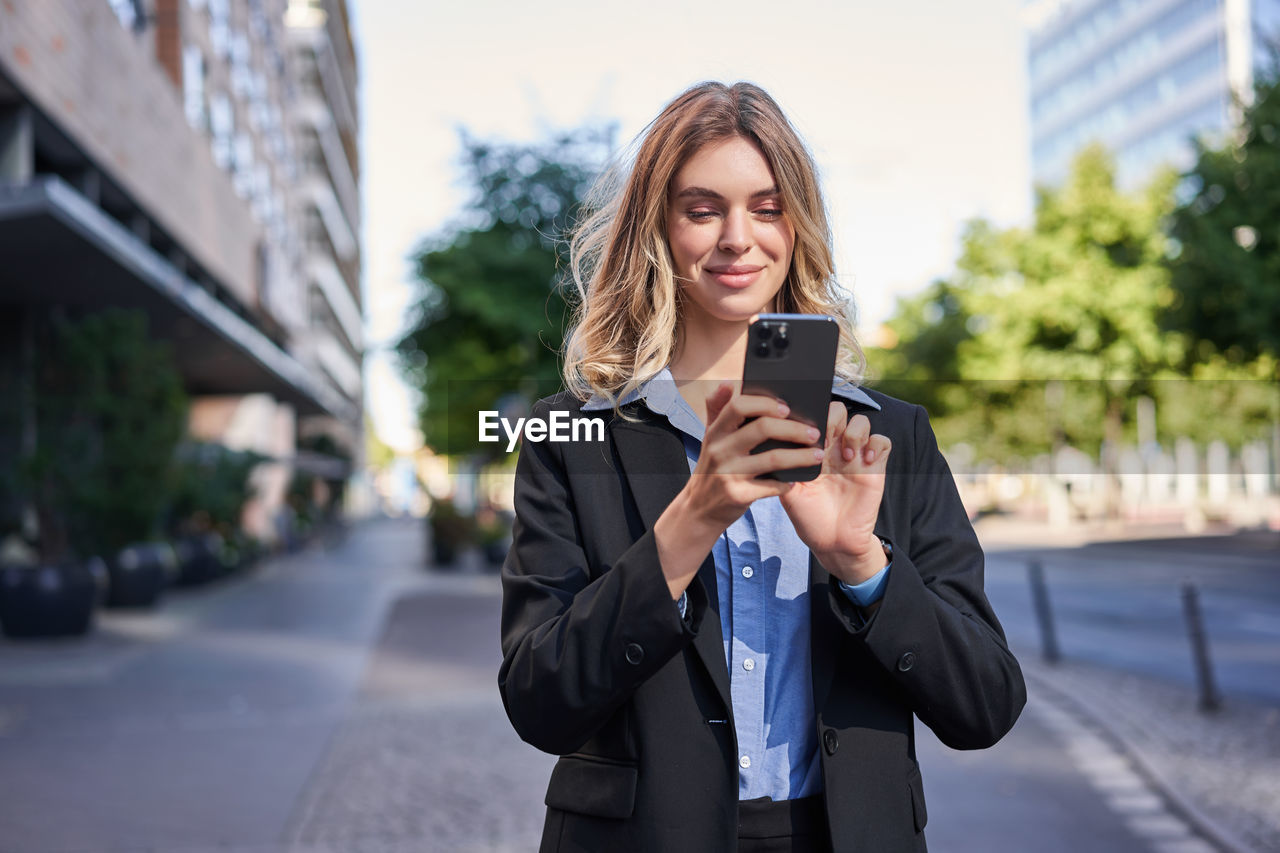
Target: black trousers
(786, 826)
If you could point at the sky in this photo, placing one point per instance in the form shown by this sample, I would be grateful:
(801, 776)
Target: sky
(915, 113)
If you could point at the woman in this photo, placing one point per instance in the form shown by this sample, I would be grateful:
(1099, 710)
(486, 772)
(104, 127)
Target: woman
(725, 662)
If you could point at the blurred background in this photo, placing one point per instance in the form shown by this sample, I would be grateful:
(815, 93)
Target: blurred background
(262, 261)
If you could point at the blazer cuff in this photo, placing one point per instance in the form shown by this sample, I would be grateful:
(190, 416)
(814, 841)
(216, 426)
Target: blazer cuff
(870, 590)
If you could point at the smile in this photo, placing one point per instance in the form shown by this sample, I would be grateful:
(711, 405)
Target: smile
(736, 277)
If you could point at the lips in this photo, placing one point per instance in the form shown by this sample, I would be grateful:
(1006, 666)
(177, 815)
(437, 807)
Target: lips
(737, 275)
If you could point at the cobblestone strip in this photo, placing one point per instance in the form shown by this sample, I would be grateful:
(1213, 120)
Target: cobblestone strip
(1130, 773)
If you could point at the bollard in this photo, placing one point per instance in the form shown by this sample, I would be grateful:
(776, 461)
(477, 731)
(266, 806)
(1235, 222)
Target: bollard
(1209, 698)
(1044, 614)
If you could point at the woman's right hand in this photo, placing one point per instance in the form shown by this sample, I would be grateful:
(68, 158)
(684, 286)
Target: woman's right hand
(727, 478)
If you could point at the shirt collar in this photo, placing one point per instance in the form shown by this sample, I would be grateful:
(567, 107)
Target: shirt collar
(660, 395)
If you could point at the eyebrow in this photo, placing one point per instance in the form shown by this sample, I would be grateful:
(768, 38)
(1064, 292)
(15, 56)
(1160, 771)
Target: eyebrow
(703, 192)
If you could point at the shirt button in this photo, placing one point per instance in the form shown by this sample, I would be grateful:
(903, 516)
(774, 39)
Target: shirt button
(744, 762)
(635, 653)
(747, 571)
(748, 664)
(907, 661)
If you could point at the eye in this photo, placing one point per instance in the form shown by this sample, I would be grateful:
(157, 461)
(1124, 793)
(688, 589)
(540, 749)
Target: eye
(700, 215)
(769, 212)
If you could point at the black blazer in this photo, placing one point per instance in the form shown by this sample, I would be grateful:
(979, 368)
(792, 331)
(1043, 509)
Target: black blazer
(599, 667)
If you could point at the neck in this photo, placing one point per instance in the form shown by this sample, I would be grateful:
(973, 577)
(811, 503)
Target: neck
(710, 350)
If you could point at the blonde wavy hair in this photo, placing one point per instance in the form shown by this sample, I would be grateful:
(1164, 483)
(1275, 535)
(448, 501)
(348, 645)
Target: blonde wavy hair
(627, 312)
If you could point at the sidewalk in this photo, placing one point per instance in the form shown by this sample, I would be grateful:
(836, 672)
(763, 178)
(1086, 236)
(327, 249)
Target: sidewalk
(1220, 771)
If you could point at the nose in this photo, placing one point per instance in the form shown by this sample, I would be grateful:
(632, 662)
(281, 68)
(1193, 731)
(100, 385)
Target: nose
(735, 235)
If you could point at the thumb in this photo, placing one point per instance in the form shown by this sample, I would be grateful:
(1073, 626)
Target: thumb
(718, 400)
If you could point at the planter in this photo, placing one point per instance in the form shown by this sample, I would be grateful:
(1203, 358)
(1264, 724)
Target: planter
(451, 533)
(444, 554)
(495, 553)
(231, 557)
(200, 559)
(140, 573)
(51, 600)
(250, 550)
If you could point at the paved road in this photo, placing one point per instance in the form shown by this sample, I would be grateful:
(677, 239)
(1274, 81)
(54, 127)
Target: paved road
(344, 702)
(1119, 605)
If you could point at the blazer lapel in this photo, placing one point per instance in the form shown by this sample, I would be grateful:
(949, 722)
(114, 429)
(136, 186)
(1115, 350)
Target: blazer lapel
(653, 458)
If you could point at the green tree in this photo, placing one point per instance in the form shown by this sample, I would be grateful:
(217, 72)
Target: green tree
(1227, 243)
(489, 320)
(1078, 299)
(110, 410)
(1043, 335)
(917, 356)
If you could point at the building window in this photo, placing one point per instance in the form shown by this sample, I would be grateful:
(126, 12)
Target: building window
(243, 166)
(193, 72)
(220, 27)
(222, 123)
(128, 13)
(241, 74)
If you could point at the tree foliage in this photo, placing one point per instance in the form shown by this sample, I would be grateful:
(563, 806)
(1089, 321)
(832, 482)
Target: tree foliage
(1047, 335)
(489, 320)
(1227, 265)
(110, 409)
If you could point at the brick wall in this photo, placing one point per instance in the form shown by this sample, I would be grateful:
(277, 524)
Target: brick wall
(105, 88)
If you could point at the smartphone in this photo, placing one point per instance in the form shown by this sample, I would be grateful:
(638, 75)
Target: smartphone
(792, 358)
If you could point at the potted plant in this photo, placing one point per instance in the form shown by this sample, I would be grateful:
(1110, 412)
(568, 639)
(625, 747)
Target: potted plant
(140, 573)
(214, 484)
(451, 531)
(493, 533)
(105, 408)
(47, 598)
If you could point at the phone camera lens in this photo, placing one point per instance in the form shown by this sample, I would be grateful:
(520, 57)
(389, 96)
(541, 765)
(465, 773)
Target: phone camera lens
(763, 331)
(780, 340)
(762, 349)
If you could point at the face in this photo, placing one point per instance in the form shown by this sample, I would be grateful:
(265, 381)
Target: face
(730, 238)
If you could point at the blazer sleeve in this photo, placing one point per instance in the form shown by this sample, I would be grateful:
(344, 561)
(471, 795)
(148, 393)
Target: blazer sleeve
(934, 631)
(577, 639)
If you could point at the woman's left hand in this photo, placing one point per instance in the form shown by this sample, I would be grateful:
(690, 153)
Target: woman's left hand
(835, 513)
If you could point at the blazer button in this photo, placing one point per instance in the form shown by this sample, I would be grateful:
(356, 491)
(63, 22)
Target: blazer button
(635, 654)
(907, 661)
(831, 741)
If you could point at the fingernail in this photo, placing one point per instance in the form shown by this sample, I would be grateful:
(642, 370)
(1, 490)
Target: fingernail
(870, 455)
(783, 411)
(848, 454)
(818, 454)
(813, 434)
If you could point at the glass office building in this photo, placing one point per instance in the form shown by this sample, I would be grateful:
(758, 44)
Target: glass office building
(1141, 76)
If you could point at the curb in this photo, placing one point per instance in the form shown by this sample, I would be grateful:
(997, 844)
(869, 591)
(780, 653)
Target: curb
(1208, 828)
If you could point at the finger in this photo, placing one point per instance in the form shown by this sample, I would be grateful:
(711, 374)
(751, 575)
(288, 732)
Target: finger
(739, 409)
(778, 459)
(750, 436)
(876, 452)
(855, 437)
(718, 400)
(837, 414)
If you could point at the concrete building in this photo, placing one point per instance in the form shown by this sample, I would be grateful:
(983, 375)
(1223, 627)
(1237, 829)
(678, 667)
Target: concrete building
(1141, 76)
(196, 159)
